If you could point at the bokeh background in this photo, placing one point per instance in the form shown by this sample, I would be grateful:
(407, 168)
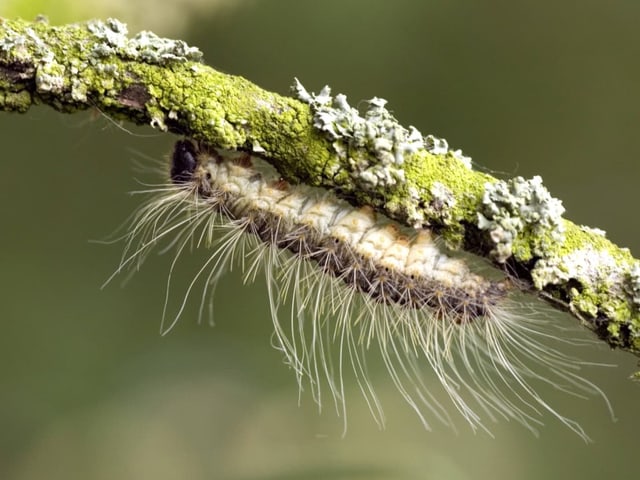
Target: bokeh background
(90, 389)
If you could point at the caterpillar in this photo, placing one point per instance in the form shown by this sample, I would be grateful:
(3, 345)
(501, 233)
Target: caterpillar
(361, 282)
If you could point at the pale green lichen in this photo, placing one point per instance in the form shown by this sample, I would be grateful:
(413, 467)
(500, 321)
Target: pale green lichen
(593, 230)
(145, 46)
(16, 43)
(633, 283)
(435, 145)
(50, 77)
(588, 265)
(373, 146)
(442, 203)
(514, 206)
(440, 146)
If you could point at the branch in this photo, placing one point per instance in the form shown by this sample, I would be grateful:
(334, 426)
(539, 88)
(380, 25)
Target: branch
(320, 140)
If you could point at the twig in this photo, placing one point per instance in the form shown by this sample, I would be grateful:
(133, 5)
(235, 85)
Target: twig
(320, 140)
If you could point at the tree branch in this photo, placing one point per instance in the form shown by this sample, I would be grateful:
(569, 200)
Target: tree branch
(320, 140)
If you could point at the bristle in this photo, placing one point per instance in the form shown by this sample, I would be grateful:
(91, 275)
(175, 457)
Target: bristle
(364, 282)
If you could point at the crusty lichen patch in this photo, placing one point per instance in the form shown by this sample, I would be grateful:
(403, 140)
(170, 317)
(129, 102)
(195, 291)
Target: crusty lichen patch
(113, 38)
(520, 215)
(373, 146)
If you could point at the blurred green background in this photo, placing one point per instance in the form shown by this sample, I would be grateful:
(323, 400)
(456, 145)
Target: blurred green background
(88, 387)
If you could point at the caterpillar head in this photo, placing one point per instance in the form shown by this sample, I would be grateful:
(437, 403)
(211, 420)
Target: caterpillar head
(188, 166)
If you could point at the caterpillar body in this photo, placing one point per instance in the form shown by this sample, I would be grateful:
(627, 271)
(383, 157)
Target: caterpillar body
(364, 283)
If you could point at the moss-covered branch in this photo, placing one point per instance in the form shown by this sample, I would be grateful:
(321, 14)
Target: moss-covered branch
(320, 140)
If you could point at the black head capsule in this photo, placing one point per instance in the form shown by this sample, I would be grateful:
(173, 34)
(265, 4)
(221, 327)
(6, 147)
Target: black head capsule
(183, 162)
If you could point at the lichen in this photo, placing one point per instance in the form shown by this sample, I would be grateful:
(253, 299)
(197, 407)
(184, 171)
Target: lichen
(95, 59)
(372, 146)
(16, 43)
(439, 146)
(520, 214)
(633, 283)
(599, 281)
(593, 230)
(588, 265)
(442, 203)
(50, 77)
(145, 46)
(435, 145)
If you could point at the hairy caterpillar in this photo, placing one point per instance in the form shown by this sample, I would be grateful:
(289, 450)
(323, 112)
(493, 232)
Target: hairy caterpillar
(363, 282)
